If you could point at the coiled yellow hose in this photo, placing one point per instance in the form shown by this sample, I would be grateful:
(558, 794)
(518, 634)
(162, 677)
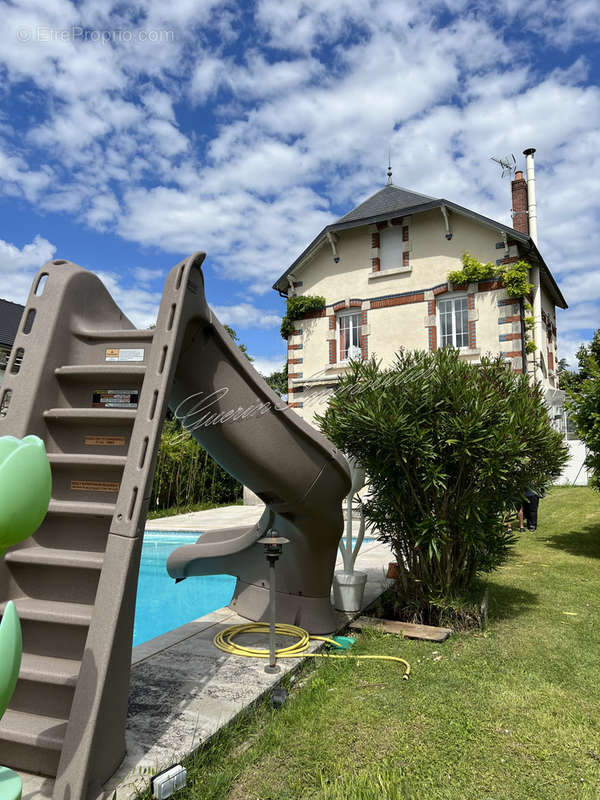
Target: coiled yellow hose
(224, 641)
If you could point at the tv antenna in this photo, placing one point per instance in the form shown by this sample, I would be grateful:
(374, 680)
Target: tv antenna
(508, 164)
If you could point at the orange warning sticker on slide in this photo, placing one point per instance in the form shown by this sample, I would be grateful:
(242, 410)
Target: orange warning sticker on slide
(105, 441)
(96, 486)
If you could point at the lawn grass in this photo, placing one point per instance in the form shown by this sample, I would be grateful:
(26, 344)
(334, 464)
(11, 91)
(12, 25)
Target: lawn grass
(509, 713)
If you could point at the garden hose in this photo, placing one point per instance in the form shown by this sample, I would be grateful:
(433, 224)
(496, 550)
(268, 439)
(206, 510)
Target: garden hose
(224, 641)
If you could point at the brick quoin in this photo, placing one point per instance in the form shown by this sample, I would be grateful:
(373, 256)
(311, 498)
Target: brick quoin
(294, 361)
(375, 239)
(376, 264)
(295, 405)
(514, 354)
(294, 347)
(332, 345)
(513, 318)
(364, 344)
(432, 329)
(472, 336)
(471, 302)
(518, 370)
(332, 322)
(432, 336)
(297, 332)
(550, 360)
(405, 258)
(510, 337)
(405, 233)
(510, 260)
(519, 203)
(292, 375)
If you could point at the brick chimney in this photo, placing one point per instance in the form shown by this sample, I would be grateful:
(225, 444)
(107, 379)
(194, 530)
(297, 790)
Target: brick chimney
(519, 203)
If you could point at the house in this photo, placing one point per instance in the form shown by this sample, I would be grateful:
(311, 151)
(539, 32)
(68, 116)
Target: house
(10, 317)
(383, 271)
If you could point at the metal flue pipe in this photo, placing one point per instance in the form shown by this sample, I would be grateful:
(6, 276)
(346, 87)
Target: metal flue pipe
(538, 336)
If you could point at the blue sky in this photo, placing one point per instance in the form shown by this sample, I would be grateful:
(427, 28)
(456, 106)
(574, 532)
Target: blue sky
(134, 134)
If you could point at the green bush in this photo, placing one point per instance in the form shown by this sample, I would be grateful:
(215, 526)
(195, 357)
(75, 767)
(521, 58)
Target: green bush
(186, 474)
(448, 448)
(296, 307)
(584, 404)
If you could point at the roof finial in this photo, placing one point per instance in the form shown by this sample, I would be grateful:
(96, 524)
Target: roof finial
(389, 169)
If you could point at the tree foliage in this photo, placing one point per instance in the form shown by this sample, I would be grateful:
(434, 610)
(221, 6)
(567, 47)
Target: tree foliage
(448, 448)
(186, 474)
(583, 403)
(278, 381)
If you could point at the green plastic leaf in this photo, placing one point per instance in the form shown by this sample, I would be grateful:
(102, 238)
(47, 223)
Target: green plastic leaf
(25, 487)
(11, 645)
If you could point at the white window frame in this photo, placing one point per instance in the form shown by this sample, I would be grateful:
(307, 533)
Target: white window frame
(452, 300)
(347, 313)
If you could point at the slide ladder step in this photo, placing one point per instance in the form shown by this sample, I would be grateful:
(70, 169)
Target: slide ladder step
(101, 370)
(69, 508)
(52, 611)
(48, 669)
(55, 557)
(34, 730)
(86, 460)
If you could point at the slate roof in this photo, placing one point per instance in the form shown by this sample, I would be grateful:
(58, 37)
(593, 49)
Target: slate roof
(10, 317)
(385, 201)
(395, 201)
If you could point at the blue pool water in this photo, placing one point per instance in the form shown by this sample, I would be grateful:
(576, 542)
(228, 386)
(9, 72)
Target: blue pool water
(161, 603)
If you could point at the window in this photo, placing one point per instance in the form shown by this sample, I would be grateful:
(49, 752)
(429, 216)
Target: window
(349, 336)
(390, 248)
(453, 322)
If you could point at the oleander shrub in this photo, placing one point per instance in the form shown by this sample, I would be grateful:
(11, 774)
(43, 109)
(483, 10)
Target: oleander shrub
(448, 448)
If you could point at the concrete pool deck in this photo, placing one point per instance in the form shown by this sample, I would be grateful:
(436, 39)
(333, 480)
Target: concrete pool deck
(183, 689)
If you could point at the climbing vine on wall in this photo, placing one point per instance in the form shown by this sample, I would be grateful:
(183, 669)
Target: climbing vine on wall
(514, 278)
(296, 308)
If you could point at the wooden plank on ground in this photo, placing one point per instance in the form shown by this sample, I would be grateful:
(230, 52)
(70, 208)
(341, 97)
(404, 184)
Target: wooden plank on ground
(408, 629)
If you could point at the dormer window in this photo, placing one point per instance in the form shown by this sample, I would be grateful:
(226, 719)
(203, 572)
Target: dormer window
(349, 334)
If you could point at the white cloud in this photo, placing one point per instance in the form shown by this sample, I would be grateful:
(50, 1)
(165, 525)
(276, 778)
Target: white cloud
(18, 267)
(139, 303)
(266, 365)
(303, 125)
(245, 315)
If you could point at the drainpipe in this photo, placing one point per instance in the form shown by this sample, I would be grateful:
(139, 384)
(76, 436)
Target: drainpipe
(523, 332)
(535, 270)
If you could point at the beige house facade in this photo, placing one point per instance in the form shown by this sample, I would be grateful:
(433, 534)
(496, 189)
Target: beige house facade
(383, 270)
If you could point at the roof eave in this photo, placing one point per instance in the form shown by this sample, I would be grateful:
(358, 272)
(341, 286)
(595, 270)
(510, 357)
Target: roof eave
(281, 284)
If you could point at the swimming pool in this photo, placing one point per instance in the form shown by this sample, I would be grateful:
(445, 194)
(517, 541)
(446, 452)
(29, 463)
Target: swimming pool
(162, 604)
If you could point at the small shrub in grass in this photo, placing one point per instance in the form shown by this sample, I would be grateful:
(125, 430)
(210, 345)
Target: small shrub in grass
(448, 448)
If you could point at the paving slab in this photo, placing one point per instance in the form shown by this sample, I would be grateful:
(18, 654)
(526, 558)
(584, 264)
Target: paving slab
(183, 689)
